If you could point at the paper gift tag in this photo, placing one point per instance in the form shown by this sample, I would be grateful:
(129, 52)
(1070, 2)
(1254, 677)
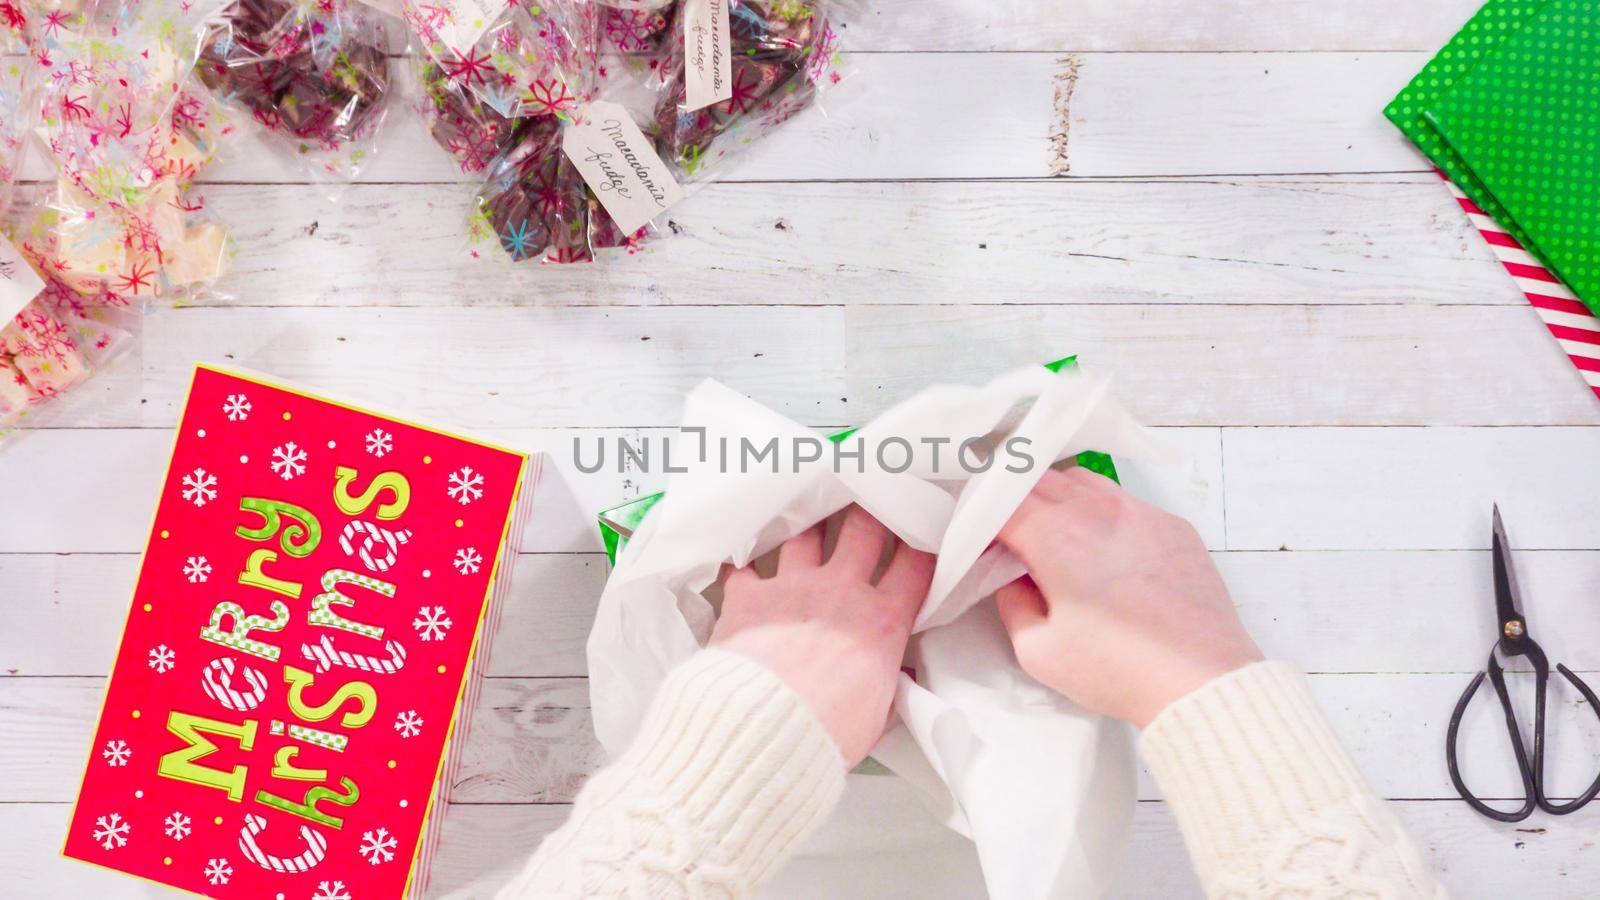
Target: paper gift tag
(19, 283)
(707, 53)
(619, 165)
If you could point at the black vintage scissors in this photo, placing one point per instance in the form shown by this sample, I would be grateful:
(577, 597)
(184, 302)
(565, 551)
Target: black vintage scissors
(1513, 641)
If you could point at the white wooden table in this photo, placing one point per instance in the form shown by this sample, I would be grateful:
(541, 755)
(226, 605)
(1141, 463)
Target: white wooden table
(1259, 258)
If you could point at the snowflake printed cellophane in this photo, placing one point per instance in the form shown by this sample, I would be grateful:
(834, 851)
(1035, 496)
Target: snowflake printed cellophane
(105, 86)
(313, 73)
(16, 104)
(634, 26)
(537, 58)
(61, 338)
(785, 53)
(128, 128)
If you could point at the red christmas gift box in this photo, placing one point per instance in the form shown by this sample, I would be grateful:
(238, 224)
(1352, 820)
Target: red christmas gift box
(302, 649)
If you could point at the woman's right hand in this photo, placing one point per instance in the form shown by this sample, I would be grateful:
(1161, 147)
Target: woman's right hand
(1122, 609)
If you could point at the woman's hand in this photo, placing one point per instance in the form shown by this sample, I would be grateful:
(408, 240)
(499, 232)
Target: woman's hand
(829, 631)
(1122, 610)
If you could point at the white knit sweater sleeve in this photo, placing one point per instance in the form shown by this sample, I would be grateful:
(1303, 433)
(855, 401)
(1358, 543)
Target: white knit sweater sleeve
(1269, 802)
(729, 773)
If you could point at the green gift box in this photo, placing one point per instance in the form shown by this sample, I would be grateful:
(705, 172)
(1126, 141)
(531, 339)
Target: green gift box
(619, 523)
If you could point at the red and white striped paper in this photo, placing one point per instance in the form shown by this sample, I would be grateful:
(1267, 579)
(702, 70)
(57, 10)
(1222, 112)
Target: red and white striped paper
(1571, 323)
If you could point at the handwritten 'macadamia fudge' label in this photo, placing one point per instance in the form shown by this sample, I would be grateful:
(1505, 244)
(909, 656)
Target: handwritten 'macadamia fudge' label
(19, 283)
(707, 53)
(619, 165)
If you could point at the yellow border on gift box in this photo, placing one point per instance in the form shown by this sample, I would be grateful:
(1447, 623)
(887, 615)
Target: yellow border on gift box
(472, 651)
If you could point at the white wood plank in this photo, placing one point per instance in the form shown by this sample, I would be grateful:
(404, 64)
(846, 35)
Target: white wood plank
(1174, 365)
(108, 509)
(1326, 240)
(532, 740)
(1142, 114)
(1408, 611)
(1250, 365)
(1548, 859)
(1167, 25)
(515, 367)
(1398, 488)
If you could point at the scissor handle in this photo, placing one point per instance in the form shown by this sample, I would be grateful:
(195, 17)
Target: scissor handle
(1530, 785)
(1582, 800)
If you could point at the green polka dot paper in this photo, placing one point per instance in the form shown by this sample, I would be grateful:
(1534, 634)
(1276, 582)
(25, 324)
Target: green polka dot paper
(1491, 26)
(1526, 123)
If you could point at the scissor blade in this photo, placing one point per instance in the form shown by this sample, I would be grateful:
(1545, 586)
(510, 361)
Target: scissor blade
(1507, 597)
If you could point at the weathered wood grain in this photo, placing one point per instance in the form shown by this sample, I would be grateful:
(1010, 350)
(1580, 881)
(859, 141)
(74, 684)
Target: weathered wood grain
(1166, 25)
(1256, 365)
(1357, 239)
(1403, 488)
(988, 115)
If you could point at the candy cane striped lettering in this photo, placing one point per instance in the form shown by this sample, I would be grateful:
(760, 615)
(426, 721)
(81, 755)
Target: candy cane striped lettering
(325, 655)
(375, 535)
(217, 681)
(306, 860)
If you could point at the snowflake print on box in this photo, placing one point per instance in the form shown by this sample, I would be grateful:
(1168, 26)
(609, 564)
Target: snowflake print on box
(408, 723)
(197, 569)
(218, 871)
(380, 443)
(431, 623)
(200, 487)
(111, 831)
(331, 890)
(292, 664)
(162, 659)
(466, 485)
(178, 826)
(289, 461)
(468, 561)
(377, 846)
(236, 407)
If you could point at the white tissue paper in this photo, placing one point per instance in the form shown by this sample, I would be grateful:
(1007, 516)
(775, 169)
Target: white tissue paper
(1043, 789)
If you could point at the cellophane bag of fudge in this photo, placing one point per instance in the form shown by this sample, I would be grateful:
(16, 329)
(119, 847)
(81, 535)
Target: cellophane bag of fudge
(715, 100)
(529, 203)
(676, 101)
(519, 58)
(55, 335)
(127, 128)
(16, 103)
(634, 27)
(313, 75)
(533, 205)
